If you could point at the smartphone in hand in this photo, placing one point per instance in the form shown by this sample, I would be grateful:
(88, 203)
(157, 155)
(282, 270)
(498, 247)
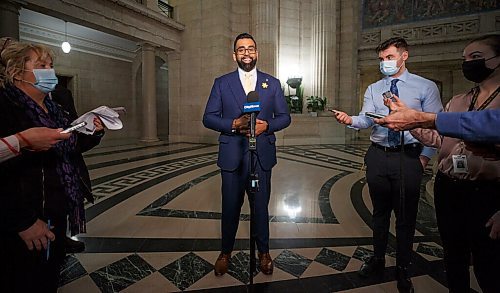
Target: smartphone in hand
(388, 95)
(75, 127)
(374, 115)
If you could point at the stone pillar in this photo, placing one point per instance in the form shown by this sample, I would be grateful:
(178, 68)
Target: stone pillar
(348, 65)
(9, 19)
(349, 86)
(324, 49)
(149, 128)
(265, 23)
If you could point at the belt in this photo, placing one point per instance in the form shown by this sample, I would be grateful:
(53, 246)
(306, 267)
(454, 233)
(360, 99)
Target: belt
(407, 147)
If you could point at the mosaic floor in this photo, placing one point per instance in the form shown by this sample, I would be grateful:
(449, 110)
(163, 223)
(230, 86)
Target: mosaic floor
(155, 226)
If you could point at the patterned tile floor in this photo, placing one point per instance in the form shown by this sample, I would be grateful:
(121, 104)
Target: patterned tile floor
(156, 225)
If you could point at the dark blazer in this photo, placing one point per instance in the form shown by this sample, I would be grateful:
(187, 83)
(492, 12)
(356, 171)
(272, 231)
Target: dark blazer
(64, 98)
(226, 104)
(29, 183)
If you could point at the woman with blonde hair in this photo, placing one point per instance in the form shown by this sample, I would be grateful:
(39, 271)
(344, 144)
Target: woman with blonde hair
(38, 188)
(41, 138)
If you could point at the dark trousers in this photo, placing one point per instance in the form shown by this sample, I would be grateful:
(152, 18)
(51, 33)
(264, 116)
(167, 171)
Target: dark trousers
(30, 271)
(383, 178)
(234, 185)
(462, 209)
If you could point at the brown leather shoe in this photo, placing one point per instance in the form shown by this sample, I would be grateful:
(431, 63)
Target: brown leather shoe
(266, 263)
(221, 264)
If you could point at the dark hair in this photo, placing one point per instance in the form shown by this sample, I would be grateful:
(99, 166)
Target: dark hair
(243, 36)
(492, 41)
(398, 42)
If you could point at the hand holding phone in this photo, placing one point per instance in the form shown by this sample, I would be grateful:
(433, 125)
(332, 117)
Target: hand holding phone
(388, 95)
(342, 117)
(75, 127)
(374, 115)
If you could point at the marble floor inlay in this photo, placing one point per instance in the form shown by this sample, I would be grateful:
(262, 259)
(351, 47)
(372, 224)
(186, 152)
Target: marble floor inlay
(431, 250)
(72, 270)
(239, 267)
(155, 226)
(185, 271)
(292, 263)
(121, 274)
(333, 259)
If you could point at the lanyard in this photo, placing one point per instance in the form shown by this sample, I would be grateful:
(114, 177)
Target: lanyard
(486, 103)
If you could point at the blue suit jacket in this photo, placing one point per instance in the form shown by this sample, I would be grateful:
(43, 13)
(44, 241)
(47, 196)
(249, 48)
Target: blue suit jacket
(226, 104)
(480, 126)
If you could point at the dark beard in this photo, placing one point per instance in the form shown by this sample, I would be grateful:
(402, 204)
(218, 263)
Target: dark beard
(247, 67)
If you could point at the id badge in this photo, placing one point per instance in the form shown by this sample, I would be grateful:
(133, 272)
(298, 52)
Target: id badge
(460, 164)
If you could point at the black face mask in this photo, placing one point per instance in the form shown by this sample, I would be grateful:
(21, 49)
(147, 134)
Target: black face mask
(476, 70)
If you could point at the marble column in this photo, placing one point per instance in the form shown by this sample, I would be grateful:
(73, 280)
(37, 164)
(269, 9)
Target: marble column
(264, 25)
(348, 99)
(9, 19)
(324, 49)
(149, 127)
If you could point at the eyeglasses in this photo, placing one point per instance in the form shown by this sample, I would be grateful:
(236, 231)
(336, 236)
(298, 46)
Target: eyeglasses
(242, 50)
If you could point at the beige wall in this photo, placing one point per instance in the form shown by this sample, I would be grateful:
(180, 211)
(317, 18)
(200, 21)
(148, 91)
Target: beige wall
(198, 48)
(206, 53)
(101, 81)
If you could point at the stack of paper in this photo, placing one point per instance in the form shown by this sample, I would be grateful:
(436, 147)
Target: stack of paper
(109, 117)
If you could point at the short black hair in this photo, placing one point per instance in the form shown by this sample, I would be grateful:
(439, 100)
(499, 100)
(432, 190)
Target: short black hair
(492, 41)
(398, 42)
(243, 36)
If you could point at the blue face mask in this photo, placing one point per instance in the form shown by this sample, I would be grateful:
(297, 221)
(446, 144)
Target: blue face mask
(389, 67)
(45, 80)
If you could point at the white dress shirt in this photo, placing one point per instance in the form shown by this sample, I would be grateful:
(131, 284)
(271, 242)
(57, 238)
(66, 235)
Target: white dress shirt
(253, 78)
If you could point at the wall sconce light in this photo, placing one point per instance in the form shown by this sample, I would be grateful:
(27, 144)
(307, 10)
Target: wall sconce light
(65, 46)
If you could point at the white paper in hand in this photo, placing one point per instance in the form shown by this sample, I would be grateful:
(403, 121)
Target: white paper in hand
(109, 117)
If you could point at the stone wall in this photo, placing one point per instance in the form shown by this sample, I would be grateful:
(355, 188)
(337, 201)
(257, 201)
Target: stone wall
(205, 54)
(335, 58)
(286, 32)
(100, 81)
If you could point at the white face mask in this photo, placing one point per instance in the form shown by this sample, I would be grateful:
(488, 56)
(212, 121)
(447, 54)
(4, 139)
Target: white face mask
(389, 67)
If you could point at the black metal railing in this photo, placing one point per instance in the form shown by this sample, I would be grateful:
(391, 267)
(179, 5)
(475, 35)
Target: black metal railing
(165, 8)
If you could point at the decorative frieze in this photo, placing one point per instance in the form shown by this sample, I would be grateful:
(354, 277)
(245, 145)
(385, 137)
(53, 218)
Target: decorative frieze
(435, 32)
(380, 13)
(439, 30)
(370, 38)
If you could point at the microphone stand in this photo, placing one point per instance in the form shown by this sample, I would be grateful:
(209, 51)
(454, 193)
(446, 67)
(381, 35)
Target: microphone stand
(402, 192)
(254, 187)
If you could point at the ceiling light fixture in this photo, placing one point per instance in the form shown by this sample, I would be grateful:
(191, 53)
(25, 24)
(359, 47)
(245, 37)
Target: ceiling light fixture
(65, 46)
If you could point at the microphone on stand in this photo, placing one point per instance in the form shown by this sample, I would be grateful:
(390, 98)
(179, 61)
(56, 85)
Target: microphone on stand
(252, 106)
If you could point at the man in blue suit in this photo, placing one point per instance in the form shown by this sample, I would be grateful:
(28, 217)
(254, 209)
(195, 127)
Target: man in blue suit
(224, 114)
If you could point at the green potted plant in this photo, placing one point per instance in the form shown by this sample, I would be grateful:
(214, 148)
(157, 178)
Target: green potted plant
(315, 104)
